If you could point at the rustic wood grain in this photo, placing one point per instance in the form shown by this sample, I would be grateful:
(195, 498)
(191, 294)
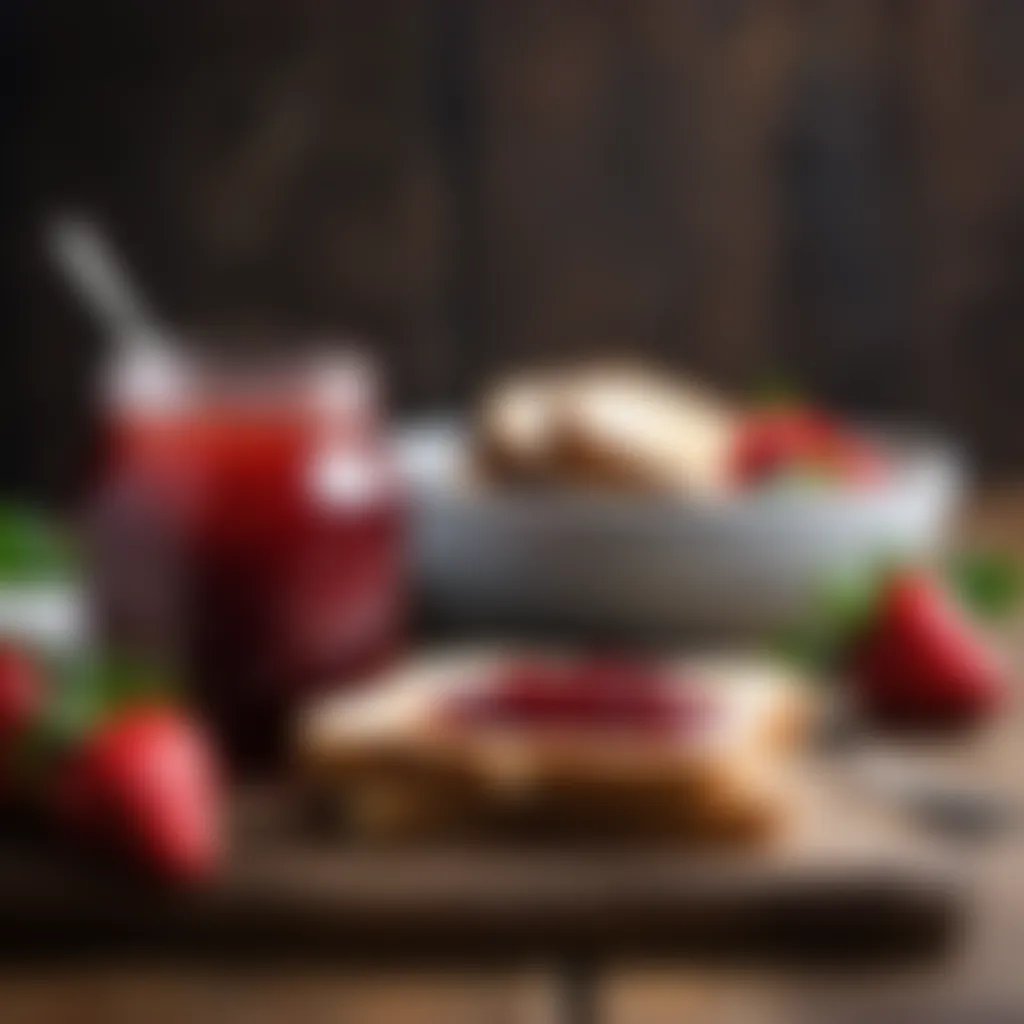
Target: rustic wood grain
(978, 981)
(821, 190)
(876, 895)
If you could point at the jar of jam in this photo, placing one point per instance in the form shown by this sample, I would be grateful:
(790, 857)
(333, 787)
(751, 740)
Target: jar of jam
(246, 528)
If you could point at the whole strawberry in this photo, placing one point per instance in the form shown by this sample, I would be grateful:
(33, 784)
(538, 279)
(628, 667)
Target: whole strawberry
(786, 441)
(22, 689)
(920, 658)
(23, 694)
(144, 784)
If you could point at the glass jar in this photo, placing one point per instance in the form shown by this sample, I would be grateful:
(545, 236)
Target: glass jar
(246, 528)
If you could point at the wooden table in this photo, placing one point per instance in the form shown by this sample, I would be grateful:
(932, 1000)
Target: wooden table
(981, 979)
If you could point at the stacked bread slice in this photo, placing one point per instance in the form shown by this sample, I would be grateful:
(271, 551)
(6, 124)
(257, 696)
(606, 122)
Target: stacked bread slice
(613, 427)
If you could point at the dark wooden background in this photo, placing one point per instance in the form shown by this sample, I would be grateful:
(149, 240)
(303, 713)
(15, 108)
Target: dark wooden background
(830, 191)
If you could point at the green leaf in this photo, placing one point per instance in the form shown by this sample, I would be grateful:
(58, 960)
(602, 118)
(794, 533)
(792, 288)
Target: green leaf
(85, 689)
(987, 582)
(843, 607)
(89, 687)
(33, 548)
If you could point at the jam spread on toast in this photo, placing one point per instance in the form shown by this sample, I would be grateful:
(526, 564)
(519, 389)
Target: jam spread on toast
(593, 693)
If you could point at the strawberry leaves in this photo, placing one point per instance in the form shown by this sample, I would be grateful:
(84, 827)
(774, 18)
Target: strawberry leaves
(906, 636)
(90, 687)
(33, 549)
(842, 608)
(84, 690)
(987, 582)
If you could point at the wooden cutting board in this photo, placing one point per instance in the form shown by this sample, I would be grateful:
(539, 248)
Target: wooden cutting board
(850, 880)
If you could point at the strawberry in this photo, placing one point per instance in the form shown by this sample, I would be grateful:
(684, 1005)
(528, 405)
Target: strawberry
(920, 659)
(144, 783)
(22, 690)
(796, 439)
(771, 439)
(22, 699)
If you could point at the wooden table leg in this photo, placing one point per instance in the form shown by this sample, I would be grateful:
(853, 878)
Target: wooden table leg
(579, 983)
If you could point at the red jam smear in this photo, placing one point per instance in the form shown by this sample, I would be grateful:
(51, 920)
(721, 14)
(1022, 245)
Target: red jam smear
(594, 693)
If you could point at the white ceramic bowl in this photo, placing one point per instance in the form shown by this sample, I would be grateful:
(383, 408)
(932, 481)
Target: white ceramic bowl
(51, 615)
(581, 560)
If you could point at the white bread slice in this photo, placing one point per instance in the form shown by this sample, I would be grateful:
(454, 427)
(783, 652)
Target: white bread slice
(515, 428)
(627, 429)
(398, 766)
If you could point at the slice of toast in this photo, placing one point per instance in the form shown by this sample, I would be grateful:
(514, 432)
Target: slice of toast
(610, 426)
(395, 763)
(515, 429)
(628, 429)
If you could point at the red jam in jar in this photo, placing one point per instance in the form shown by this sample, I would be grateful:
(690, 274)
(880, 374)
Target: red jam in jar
(247, 527)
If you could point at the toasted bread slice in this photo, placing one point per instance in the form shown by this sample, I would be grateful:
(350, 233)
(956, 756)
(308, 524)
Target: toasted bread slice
(398, 765)
(627, 429)
(515, 429)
